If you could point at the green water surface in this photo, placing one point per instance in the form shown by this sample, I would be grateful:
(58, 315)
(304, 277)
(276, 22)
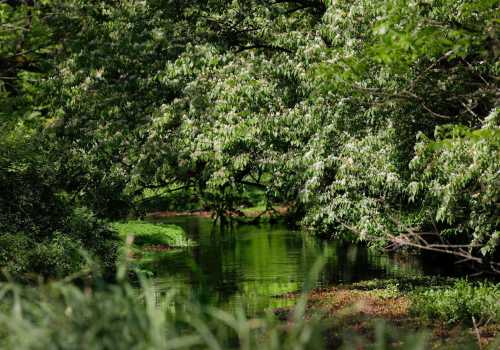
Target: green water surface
(249, 266)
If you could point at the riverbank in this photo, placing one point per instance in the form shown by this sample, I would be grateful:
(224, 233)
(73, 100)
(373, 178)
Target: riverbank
(145, 237)
(392, 291)
(253, 212)
(471, 317)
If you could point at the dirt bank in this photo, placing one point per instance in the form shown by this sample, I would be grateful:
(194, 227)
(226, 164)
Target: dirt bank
(357, 311)
(244, 212)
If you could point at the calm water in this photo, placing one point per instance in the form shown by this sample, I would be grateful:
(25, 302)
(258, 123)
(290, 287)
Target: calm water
(250, 265)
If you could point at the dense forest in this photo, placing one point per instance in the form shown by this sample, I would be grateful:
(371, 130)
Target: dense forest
(369, 122)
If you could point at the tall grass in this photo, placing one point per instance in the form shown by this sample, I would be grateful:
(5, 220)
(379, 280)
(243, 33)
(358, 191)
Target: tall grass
(64, 316)
(60, 315)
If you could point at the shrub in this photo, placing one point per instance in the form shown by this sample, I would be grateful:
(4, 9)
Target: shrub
(42, 230)
(55, 254)
(460, 302)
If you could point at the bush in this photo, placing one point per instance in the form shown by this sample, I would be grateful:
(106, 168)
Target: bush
(13, 252)
(95, 236)
(42, 230)
(460, 302)
(56, 254)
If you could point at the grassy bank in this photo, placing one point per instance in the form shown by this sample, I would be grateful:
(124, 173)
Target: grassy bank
(152, 236)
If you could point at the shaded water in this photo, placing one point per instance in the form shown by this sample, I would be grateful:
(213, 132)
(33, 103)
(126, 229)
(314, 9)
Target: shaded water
(250, 265)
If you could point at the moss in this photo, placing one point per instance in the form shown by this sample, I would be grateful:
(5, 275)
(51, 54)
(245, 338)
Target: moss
(148, 235)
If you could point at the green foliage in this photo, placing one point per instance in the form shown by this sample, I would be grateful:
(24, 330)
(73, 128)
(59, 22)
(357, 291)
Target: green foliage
(58, 251)
(460, 302)
(374, 120)
(170, 199)
(399, 71)
(457, 174)
(145, 233)
(41, 229)
(26, 43)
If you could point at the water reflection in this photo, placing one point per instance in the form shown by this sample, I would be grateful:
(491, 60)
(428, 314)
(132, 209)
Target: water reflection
(249, 265)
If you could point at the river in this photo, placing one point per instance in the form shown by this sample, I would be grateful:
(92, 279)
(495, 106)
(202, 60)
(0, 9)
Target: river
(248, 266)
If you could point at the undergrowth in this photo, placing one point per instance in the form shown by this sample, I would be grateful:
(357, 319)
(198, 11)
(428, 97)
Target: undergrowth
(463, 301)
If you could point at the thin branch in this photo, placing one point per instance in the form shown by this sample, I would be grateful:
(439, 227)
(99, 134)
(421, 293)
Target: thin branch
(437, 115)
